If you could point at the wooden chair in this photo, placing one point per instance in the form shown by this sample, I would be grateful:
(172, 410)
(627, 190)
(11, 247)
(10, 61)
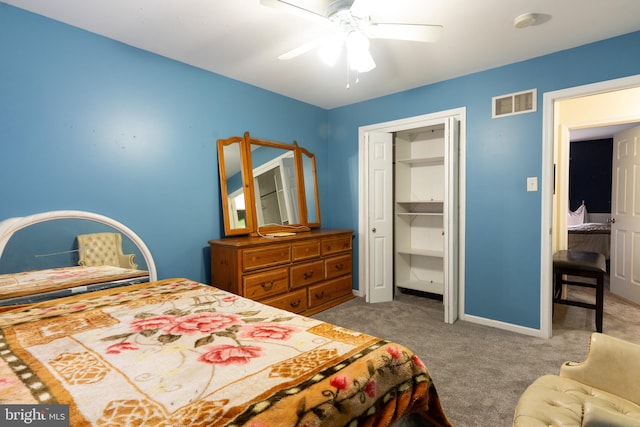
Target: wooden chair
(103, 249)
(590, 265)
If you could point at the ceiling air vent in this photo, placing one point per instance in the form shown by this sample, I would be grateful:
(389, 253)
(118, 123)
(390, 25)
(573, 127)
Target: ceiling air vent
(514, 103)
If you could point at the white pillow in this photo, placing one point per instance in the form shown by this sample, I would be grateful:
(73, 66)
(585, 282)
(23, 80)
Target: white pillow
(577, 217)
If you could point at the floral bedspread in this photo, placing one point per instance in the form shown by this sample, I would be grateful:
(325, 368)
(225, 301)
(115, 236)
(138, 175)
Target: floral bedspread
(52, 279)
(178, 353)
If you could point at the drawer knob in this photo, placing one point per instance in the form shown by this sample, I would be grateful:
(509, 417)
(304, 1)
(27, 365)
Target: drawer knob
(308, 275)
(267, 287)
(340, 267)
(295, 304)
(320, 295)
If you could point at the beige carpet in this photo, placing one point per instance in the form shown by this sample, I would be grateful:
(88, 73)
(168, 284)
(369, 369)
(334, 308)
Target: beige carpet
(480, 371)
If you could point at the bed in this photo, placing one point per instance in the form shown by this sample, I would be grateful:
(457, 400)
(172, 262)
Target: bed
(26, 287)
(40, 285)
(176, 352)
(583, 235)
(591, 237)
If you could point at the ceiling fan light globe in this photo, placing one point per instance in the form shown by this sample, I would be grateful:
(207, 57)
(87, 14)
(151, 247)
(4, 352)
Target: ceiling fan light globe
(363, 65)
(358, 52)
(330, 50)
(357, 40)
(360, 60)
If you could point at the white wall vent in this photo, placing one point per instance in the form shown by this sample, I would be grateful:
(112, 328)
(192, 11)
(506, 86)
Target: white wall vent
(515, 103)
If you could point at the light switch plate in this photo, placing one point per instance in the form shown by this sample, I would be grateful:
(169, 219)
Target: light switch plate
(532, 183)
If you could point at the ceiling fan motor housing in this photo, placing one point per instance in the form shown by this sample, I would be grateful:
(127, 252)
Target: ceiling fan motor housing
(338, 6)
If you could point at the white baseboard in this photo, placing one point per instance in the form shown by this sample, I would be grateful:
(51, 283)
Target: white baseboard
(503, 325)
(487, 322)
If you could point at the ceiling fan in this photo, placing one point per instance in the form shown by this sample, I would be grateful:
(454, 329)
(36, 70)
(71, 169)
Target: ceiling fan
(351, 27)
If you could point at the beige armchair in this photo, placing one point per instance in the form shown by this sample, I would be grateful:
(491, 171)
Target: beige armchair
(103, 249)
(604, 390)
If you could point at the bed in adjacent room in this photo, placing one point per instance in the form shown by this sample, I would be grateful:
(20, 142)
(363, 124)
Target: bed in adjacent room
(591, 237)
(583, 235)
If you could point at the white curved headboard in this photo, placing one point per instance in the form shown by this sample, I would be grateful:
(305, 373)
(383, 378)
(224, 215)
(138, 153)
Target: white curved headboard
(11, 225)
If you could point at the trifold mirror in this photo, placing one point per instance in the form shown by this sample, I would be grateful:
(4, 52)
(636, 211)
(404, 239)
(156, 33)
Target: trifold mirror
(267, 187)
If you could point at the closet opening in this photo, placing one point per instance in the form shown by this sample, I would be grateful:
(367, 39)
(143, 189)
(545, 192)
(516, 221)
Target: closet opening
(411, 209)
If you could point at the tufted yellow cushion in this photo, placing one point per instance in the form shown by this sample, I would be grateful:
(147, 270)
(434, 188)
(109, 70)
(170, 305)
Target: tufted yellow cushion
(596, 416)
(603, 390)
(556, 401)
(103, 249)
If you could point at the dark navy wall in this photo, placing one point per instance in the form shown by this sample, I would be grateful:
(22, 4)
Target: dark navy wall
(503, 220)
(590, 175)
(91, 124)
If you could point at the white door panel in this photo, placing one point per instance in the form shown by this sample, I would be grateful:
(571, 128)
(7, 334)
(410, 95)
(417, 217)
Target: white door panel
(625, 211)
(381, 217)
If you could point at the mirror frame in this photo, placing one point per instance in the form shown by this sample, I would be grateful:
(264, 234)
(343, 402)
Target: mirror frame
(246, 186)
(252, 226)
(312, 158)
(11, 225)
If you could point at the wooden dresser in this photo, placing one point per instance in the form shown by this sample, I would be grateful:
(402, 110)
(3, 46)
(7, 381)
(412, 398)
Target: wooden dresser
(305, 273)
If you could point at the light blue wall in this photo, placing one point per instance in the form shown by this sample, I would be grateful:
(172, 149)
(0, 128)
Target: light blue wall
(91, 124)
(88, 123)
(502, 219)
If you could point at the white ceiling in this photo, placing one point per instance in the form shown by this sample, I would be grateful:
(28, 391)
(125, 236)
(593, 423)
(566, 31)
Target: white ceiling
(241, 39)
(601, 132)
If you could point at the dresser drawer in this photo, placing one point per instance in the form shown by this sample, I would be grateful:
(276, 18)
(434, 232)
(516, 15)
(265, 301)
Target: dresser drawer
(305, 250)
(304, 273)
(325, 292)
(295, 301)
(337, 266)
(336, 244)
(253, 259)
(265, 284)
(307, 273)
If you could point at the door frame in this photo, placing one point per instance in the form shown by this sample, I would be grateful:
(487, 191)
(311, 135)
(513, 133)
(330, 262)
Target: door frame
(363, 191)
(549, 127)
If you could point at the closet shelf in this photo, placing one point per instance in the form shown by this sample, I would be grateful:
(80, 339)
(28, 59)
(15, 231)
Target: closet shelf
(434, 253)
(419, 214)
(423, 285)
(420, 161)
(421, 202)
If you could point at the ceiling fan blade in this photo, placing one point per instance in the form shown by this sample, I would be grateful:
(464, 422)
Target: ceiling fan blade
(412, 32)
(295, 10)
(302, 49)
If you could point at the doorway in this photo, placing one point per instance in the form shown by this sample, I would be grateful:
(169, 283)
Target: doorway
(377, 276)
(576, 108)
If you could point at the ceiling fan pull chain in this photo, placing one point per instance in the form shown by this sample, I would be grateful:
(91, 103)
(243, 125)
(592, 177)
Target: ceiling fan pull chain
(348, 75)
